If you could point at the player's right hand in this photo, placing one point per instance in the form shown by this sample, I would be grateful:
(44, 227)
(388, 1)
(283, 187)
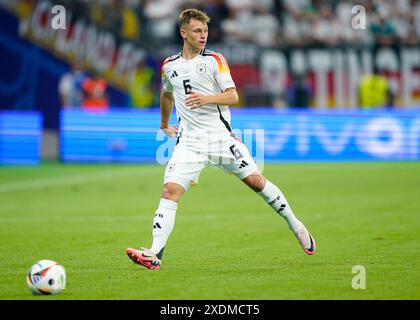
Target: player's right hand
(170, 131)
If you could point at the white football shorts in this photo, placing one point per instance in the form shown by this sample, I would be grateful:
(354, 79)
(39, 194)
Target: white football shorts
(188, 160)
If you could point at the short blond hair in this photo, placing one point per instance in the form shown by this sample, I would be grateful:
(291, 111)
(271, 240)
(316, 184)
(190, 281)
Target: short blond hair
(188, 14)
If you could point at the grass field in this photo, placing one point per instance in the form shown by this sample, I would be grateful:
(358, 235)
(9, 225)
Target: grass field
(227, 243)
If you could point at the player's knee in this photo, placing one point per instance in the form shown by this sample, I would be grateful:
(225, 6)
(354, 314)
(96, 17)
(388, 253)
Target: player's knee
(169, 192)
(172, 192)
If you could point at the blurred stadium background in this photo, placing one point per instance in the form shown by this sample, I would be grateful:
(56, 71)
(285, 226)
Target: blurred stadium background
(320, 89)
(299, 60)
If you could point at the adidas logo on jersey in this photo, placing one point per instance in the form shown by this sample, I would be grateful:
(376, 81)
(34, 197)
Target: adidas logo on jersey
(174, 74)
(243, 164)
(157, 226)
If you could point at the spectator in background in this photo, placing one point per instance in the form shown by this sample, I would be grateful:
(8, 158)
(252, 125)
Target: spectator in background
(265, 26)
(416, 14)
(383, 30)
(399, 16)
(375, 91)
(95, 93)
(409, 36)
(137, 7)
(218, 11)
(130, 24)
(162, 17)
(237, 27)
(142, 89)
(325, 27)
(297, 8)
(98, 14)
(114, 19)
(70, 86)
(350, 36)
(297, 22)
(298, 92)
(251, 22)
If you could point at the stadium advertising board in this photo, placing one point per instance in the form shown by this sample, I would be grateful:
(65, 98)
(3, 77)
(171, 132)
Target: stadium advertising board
(271, 135)
(20, 137)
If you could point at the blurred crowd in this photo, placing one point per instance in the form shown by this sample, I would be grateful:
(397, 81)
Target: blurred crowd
(266, 23)
(77, 88)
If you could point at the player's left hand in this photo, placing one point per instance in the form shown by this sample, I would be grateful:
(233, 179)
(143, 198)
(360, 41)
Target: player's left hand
(195, 100)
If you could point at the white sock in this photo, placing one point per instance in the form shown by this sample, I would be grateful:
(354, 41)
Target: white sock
(276, 199)
(163, 223)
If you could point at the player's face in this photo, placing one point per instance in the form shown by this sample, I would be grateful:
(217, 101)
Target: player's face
(195, 34)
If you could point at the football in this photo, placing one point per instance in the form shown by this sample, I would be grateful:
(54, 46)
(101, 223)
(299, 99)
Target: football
(46, 277)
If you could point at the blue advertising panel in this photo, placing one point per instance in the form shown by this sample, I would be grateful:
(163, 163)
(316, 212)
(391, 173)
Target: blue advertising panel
(115, 136)
(271, 135)
(333, 135)
(20, 137)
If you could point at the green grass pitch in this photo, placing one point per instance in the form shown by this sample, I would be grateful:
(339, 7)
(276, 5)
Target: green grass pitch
(226, 244)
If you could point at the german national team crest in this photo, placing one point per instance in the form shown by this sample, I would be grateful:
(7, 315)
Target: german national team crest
(201, 68)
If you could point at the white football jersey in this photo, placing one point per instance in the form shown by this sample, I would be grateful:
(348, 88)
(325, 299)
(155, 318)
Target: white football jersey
(208, 73)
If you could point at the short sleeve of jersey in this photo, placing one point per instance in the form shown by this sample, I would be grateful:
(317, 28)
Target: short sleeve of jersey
(222, 72)
(166, 85)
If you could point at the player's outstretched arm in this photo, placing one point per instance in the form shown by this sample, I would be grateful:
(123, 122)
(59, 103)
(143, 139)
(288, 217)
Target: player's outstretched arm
(227, 98)
(166, 105)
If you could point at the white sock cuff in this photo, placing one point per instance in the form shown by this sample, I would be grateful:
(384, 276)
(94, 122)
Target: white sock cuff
(270, 191)
(168, 204)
